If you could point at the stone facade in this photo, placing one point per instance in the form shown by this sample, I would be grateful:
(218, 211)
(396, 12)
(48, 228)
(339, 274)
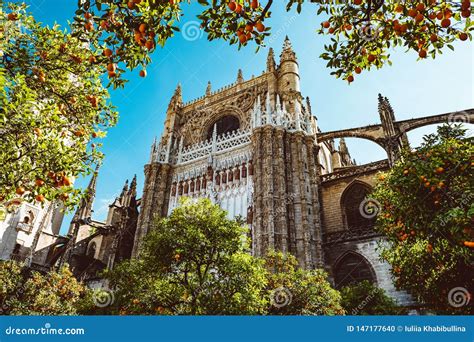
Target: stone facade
(254, 147)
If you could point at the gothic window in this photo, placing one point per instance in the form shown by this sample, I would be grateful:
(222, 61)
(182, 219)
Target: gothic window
(91, 249)
(224, 125)
(352, 268)
(352, 199)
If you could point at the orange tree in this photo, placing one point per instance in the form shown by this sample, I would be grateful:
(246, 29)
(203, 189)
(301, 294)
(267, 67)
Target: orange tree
(26, 292)
(52, 106)
(362, 31)
(426, 215)
(198, 262)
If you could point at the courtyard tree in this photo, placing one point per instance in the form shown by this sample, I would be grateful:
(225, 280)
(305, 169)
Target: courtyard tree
(362, 32)
(52, 107)
(426, 214)
(26, 292)
(365, 298)
(196, 261)
(296, 291)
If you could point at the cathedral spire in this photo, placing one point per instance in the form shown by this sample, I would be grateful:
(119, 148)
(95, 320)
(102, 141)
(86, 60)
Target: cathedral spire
(178, 93)
(271, 66)
(343, 146)
(84, 210)
(240, 77)
(287, 52)
(133, 186)
(209, 88)
(125, 187)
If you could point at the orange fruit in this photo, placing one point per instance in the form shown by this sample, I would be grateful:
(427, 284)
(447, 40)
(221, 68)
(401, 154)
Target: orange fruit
(357, 2)
(371, 58)
(67, 181)
(433, 38)
(232, 6)
(39, 198)
(326, 24)
(254, 4)
(107, 52)
(445, 23)
(399, 8)
(20, 190)
(463, 36)
(143, 73)
(149, 44)
(87, 15)
(238, 9)
(142, 28)
(12, 16)
(260, 27)
(39, 182)
(350, 79)
(242, 38)
(466, 14)
(412, 12)
(331, 30)
(358, 70)
(469, 244)
(420, 6)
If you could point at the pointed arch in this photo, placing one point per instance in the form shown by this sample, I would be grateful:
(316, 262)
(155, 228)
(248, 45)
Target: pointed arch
(351, 199)
(352, 267)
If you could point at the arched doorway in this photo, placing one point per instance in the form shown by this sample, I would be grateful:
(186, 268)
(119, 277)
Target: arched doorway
(91, 249)
(352, 268)
(351, 200)
(225, 124)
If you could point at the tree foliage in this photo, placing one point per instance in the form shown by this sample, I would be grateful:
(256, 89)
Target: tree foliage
(296, 291)
(362, 32)
(427, 215)
(25, 292)
(364, 298)
(52, 105)
(197, 262)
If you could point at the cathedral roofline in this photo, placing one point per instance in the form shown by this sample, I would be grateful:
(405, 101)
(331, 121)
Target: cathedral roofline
(223, 89)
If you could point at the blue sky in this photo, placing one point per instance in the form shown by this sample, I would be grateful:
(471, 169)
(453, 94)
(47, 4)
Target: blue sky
(414, 88)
